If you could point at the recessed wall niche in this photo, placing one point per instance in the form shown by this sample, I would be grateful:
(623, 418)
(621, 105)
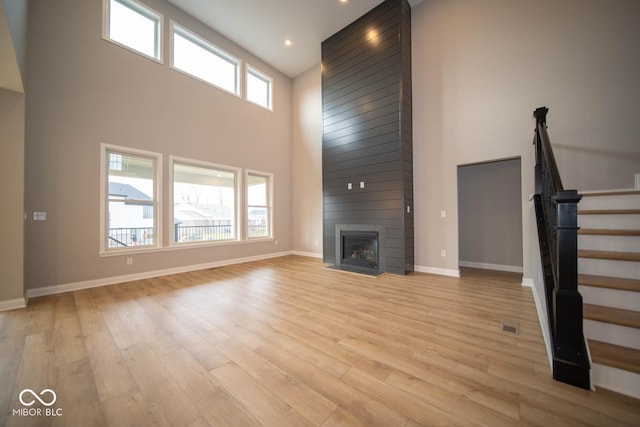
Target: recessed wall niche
(367, 164)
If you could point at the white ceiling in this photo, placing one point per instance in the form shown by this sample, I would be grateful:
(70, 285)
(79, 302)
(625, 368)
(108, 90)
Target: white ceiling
(262, 26)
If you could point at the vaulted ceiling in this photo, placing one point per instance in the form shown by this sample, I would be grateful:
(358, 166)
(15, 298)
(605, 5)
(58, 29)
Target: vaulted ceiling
(262, 26)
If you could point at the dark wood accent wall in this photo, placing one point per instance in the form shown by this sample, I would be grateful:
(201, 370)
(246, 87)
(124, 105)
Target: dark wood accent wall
(366, 97)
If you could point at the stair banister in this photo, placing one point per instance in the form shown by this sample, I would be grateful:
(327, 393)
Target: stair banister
(545, 147)
(557, 220)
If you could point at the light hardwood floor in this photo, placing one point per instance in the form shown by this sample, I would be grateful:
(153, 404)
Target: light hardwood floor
(288, 342)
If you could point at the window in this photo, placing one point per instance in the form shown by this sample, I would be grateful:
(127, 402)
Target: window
(259, 210)
(199, 58)
(134, 26)
(130, 194)
(204, 202)
(259, 88)
(147, 212)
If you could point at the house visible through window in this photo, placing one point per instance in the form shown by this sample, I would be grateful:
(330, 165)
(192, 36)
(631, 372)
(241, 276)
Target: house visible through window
(131, 203)
(259, 88)
(259, 205)
(204, 202)
(199, 58)
(133, 25)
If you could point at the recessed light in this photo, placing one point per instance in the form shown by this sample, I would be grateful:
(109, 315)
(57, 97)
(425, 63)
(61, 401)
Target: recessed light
(288, 42)
(343, 1)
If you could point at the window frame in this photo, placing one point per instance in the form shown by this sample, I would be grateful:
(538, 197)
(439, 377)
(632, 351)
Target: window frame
(249, 69)
(237, 202)
(207, 45)
(143, 10)
(270, 208)
(105, 250)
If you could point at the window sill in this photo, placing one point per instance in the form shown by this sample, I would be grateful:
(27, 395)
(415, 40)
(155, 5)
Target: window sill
(180, 246)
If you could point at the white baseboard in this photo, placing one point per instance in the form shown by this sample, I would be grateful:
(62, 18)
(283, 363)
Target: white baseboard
(541, 308)
(487, 266)
(308, 254)
(527, 282)
(436, 270)
(68, 287)
(12, 304)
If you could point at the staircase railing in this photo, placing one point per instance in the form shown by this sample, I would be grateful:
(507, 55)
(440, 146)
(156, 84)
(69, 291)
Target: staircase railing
(557, 221)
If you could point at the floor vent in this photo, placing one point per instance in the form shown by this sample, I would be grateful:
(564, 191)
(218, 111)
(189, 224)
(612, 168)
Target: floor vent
(511, 327)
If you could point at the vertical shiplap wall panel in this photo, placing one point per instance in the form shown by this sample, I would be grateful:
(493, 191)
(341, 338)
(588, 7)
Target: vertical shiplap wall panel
(366, 96)
(407, 133)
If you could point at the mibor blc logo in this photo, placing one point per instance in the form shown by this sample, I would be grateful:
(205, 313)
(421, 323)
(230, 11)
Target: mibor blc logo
(46, 398)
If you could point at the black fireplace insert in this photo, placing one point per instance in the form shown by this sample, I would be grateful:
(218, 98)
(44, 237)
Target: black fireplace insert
(359, 249)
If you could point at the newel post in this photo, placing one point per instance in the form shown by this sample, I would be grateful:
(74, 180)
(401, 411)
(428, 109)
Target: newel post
(567, 302)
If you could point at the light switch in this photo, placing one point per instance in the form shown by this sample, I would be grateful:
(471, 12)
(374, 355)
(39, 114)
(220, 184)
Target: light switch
(361, 184)
(349, 186)
(443, 214)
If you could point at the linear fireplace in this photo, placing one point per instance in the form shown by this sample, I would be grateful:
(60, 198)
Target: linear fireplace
(359, 249)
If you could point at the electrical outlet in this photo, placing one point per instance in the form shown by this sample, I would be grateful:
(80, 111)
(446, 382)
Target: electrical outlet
(39, 216)
(443, 214)
(443, 253)
(129, 261)
(316, 243)
(276, 242)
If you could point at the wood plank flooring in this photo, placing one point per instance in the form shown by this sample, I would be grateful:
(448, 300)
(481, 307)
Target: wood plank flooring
(289, 342)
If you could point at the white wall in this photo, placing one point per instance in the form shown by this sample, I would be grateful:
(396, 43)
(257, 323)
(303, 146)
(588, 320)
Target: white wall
(481, 68)
(12, 136)
(12, 108)
(84, 91)
(307, 162)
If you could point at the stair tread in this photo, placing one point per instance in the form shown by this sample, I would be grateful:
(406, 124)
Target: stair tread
(611, 255)
(610, 193)
(609, 232)
(613, 315)
(616, 356)
(608, 211)
(619, 283)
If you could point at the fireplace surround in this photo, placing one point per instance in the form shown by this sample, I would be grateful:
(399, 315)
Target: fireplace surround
(367, 152)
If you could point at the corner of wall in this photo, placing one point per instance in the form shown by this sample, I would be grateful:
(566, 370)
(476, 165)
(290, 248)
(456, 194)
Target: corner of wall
(537, 289)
